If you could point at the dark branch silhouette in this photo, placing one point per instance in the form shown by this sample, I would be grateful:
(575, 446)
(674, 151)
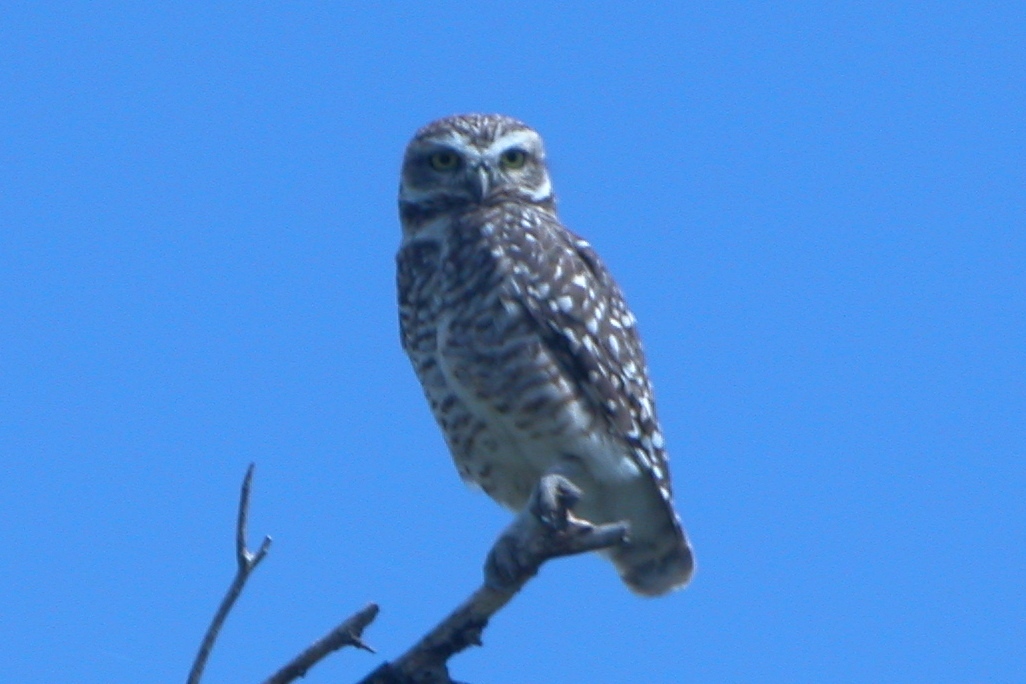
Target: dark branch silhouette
(247, 562)
(346, 634)
(546, 529)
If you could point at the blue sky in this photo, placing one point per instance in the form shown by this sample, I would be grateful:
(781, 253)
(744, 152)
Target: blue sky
(815, 209)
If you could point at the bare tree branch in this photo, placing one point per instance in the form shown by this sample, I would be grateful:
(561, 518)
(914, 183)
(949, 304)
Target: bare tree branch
(348, 633)
(545, 530)
(247, 562)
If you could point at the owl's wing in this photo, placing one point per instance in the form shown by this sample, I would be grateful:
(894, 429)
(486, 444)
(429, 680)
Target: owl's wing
(584, 323)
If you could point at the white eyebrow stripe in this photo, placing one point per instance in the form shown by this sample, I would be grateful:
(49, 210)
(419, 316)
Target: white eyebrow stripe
(450, 139)
(523, 138)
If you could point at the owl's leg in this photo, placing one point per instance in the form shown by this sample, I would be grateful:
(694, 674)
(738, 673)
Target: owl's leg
(546, 529)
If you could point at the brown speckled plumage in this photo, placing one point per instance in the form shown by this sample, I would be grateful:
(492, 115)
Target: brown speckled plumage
(527, 351)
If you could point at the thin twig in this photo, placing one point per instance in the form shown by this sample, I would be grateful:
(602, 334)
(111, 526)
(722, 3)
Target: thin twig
(247, 562)
(544, 531)
(348, 633)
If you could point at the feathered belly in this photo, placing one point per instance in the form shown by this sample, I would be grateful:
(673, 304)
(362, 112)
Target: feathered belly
(512, 416)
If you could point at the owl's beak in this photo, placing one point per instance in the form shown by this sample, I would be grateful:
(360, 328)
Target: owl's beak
(479, 182)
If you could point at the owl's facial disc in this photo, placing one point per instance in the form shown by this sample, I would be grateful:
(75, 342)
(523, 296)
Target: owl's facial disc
(458, 165)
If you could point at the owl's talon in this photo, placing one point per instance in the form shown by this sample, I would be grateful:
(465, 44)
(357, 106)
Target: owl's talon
(552, 500)
(544, 530)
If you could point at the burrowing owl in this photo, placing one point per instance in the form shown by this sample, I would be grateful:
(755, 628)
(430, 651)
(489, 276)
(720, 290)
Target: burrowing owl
(524, 344)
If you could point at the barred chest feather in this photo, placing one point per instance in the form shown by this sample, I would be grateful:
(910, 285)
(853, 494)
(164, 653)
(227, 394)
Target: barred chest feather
(507, 407)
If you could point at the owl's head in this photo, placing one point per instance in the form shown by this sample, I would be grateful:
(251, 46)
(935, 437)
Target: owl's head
(474, 159)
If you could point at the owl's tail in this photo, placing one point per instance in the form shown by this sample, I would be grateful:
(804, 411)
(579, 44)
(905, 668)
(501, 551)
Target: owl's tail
(655, 565)
(657, 557)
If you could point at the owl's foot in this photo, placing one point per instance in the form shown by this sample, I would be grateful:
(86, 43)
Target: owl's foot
(553, 498)
(546, 529)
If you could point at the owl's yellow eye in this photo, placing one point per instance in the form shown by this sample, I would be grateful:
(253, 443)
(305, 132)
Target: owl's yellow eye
(444, 161)
(513, 159)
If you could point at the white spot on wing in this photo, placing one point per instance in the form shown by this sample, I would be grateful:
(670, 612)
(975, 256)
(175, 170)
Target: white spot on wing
(614, 345)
